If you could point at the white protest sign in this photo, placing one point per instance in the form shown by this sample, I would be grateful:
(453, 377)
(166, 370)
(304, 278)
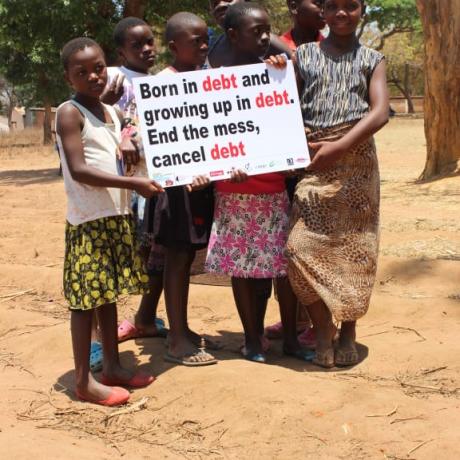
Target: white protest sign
(209, 122)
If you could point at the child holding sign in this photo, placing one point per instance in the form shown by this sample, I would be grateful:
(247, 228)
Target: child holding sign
(135, 44)
(251, 218)
(333, 244)
(307, 22)
(100, 261)
(184, 216)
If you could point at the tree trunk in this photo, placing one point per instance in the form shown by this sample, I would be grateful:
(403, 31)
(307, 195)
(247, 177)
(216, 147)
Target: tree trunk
(441, 23)
(408, 89)
(135, 8)
(47, 135)
(11, 106)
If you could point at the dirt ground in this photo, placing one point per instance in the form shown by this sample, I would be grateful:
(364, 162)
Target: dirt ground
(401, 402)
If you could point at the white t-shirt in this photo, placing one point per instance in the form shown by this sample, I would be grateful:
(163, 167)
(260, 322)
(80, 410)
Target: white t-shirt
(127, 105)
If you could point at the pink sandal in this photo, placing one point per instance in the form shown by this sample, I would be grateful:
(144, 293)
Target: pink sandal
(275, 331)
(308, 338)
(139, 380)
(127, 331)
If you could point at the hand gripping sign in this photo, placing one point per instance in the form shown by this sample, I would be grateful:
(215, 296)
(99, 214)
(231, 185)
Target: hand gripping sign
(210, 122)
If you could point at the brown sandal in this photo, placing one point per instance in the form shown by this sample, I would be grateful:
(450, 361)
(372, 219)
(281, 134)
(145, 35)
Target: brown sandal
(346, 358)
(324, 358)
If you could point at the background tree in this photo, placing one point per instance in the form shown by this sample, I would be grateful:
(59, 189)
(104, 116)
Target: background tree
(405, 57)
(386, 18)
(8, 98)
(32, 33)
(441, 23)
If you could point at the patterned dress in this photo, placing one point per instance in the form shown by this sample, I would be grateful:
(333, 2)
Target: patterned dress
(333, 242)
(248, 235)
(102, 262)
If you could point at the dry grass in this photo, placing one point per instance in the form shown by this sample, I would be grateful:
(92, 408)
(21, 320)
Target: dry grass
(115, 426)
(23, 143)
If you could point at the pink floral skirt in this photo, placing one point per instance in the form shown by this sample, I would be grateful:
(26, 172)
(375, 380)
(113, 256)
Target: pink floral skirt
(248, 235)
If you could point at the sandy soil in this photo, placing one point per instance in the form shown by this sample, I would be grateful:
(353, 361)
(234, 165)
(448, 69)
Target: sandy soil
(400, 402)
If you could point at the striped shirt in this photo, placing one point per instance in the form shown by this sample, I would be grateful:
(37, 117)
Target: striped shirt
(336, 89)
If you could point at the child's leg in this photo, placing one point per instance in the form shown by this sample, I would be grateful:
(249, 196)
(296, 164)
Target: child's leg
(185, 260)
(94, 328)
(86, 385)
(176, 289)
(147, 312)
(176, 281)
(288, 312)
(303, 320)
(107, 318)
(347, 353)
(113, 373)
(321, 318)
(244, 292)
(263, 293)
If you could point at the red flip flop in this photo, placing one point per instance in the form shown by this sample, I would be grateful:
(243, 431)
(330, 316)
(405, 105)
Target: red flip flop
(118, 396)
(139, 380)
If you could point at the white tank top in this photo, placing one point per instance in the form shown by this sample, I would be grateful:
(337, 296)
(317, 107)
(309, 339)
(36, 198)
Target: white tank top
(100, 143)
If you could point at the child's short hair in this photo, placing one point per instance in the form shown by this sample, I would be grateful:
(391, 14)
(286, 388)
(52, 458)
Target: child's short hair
(288, 2)
(238, 11)
(178, 22)
(75, 45)
(119, 33)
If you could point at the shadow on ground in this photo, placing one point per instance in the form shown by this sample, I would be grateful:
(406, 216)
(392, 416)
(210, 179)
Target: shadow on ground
(26, 177)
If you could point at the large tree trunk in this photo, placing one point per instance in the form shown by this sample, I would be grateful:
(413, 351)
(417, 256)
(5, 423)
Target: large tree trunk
(441, 24)
(135, 8)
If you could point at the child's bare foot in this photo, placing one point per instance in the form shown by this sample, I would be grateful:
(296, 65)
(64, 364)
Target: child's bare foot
(136, 328)
(93, 391)
(347, 353)
(324, 346)
(151, 327)
(254, 351)
(115, 375)
(115, 371)
(185, 352)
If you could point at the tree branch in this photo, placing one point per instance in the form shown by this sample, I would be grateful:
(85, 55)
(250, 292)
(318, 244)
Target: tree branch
(362, 26)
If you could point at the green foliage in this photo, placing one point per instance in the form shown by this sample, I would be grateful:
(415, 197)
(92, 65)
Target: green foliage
(32, 33)
(400, 15)
(385, 18)
(158, 12)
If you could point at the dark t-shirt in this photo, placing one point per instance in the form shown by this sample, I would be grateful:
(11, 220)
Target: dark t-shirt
(219, 54)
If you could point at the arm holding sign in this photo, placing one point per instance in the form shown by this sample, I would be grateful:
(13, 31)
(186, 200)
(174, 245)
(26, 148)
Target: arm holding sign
(199, 183)
(279, 61)
(69, 127)
(128, 147)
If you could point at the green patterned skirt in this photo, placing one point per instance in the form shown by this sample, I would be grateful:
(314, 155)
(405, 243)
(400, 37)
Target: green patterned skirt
(102, 262)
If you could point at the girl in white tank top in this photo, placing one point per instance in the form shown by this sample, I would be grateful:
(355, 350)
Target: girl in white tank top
(101, 261)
